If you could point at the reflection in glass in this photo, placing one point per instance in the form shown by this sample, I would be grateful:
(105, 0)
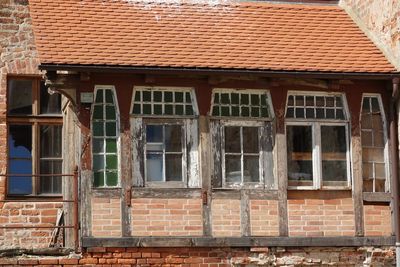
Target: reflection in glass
(334, 159)
(20, 97)
(20, 159)
(49, 103)
(299, 155)
(154, 167)
(173, 168)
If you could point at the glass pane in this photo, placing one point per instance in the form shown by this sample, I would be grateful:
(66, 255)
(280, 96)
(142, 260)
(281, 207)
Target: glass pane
(169, 109)
(379, 185)
(154, 133)
(366, 138)
(290, 101)
(111, 129)
(157, 96)
(109, 97)
(251, 169)
(168, 97)
(173, 167)
(250, 140)
(188, 98)
(179, 109)
(98, 129)
(99, 96)
(50, 141)
(299, 100)
(245, 111)
(244, 99)
(368, 185)
(330, 113)
(137, 96)
(299, 152)
(215, 111)
(320, 113)
(330, 101)
(380, 171)
(372, 154)
(225, 111)
(136, 109)
(111, 145)
(234, 98)
(255, 100)
(333, 148)
(173, 138)
(216, 98)
(19, 97)
(147, 109)
(255, 112)
(154, 167)
(98, 112)
(49, 103)
(50, 185)
(157, 109)
(310, 101)
(225, 98)
(235, 111)
(98, 145)
(112, 178)
(310, 113)
(20, 185)
(233, 169)
(98, 162)
(179, 97)
(299, 112)
(189, 110)
(110, 113)
(98, 179)
(20, 141)
(375, 105)
(290, 113)
(146, 96)
(232, 140)
(111, 162)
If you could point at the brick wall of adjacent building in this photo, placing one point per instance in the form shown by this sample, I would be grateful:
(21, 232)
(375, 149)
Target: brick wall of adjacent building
(106, 217)
(216, 257)
(225, 219)
(321, 217)
(380, 19)
(166, 217)
(264, 220)
(377, 220)
(18, 56)
(27, 214)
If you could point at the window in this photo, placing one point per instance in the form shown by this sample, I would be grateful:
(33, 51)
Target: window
(105, 132)
(164, 126)
(374, 145)
(34, 138)
(317, 141)
(242, 138)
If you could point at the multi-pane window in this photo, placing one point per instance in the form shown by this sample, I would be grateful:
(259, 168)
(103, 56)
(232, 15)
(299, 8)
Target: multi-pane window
(242, 137)
(373, 140)
(34, 138)
(317, 141)
(164, 125)
(105, 138)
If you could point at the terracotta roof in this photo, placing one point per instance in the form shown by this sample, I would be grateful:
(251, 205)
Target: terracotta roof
(252, 35)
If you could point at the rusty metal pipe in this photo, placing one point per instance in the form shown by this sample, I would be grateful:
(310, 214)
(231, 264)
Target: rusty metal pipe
(394, 151)
(76, 210)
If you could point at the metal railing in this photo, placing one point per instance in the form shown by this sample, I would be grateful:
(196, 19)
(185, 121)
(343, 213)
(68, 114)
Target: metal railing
(75, 221)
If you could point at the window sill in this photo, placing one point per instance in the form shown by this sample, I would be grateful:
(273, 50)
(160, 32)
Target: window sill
(326, 188)
(36, 198)
(382, 197)
(235, 193)
(146, 192)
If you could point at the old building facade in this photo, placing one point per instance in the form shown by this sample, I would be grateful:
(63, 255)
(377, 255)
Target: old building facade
(195, 158)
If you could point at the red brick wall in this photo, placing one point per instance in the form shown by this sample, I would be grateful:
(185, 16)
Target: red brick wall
(225, 217)
(380, 19)
(264, 220)
(106, 217)
(167, 217)
(215, 257)
(377, 220)
(27, 214)
(321, 217)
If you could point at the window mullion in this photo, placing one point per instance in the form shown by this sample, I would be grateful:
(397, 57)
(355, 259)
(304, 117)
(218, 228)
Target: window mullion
(317, 157)
(241, 156)
(35, 158)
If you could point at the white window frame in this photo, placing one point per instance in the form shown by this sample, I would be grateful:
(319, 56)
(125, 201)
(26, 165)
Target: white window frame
(190, 164)
(118, 133)
(218, 124)
(385, 137)
(316, 139)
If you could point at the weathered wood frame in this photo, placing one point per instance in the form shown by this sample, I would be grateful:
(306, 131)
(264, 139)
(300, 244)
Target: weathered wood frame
(118, 134)
(35, 120)
(316, 140)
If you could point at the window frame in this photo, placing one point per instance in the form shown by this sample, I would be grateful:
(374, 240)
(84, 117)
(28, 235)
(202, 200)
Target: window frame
(317, 182)
(385, 139)
(118, 135)
(190, 136)
(267, 169)
(36, 119)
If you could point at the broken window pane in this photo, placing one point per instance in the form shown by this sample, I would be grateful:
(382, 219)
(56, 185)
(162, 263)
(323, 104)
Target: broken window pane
(373, 145)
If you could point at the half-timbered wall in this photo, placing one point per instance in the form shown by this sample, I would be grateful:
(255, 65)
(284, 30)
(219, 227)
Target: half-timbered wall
(210, 209)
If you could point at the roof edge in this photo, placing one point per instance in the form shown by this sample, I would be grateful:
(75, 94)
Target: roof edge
(209, 71)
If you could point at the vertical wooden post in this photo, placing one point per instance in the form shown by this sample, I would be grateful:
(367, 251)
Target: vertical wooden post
(76, 210)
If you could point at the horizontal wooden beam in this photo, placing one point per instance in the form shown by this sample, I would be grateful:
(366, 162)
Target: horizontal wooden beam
(165, 192)
(377, 197)
(238, 241)
(222, 193)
